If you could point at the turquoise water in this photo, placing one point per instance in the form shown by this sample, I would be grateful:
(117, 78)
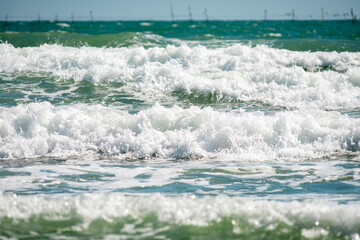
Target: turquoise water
(301, 36)
(185, 130)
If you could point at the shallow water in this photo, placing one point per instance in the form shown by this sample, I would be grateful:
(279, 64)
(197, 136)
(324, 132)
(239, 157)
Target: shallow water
(155, 130)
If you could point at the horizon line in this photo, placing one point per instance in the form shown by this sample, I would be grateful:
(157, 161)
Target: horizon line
(179, 20)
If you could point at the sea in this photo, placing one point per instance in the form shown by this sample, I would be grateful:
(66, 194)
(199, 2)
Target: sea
(180, 130)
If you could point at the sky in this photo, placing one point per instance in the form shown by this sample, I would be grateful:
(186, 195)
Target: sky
(160, 9)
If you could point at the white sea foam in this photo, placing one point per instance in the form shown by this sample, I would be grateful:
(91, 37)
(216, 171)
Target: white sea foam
(64, 25)
(273, 34)
(146, 24)
(310, 216)
(326, 80)
(41, 129)
(204, 178)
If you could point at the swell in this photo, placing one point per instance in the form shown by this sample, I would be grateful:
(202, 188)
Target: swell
(73, 39)
(303, 36)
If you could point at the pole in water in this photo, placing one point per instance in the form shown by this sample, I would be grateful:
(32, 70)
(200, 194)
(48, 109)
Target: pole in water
(265, 15)
(72, 17)
(56, 18)
(353, 17)
(38, 15)
(190, 15)
(322, 14)
(206, 15)
(293, 16)
(91, 17)
(172, 12)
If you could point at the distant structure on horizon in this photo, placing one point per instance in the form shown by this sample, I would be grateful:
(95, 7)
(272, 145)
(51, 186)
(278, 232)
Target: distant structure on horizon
(265, 15)
(206, 15)
(190, 14)
(172, 12)
(324, 16)
(91, 16)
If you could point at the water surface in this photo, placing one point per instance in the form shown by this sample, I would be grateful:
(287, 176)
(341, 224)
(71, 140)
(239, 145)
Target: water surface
(186, 130)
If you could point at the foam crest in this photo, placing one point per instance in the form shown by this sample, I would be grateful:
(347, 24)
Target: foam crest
(83, 211)
(327, 80)
(41, 129)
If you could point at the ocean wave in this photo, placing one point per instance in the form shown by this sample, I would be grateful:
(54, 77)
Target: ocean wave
(75, 39)
(278, 77)
(155, 216)
(41, 129)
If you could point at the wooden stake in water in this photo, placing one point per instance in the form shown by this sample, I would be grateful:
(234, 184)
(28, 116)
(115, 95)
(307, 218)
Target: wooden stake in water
(265, 15)
(206, 15)
(190, 15)
(91, 17)
(353, 17)
(172, 12)
(293, 14)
